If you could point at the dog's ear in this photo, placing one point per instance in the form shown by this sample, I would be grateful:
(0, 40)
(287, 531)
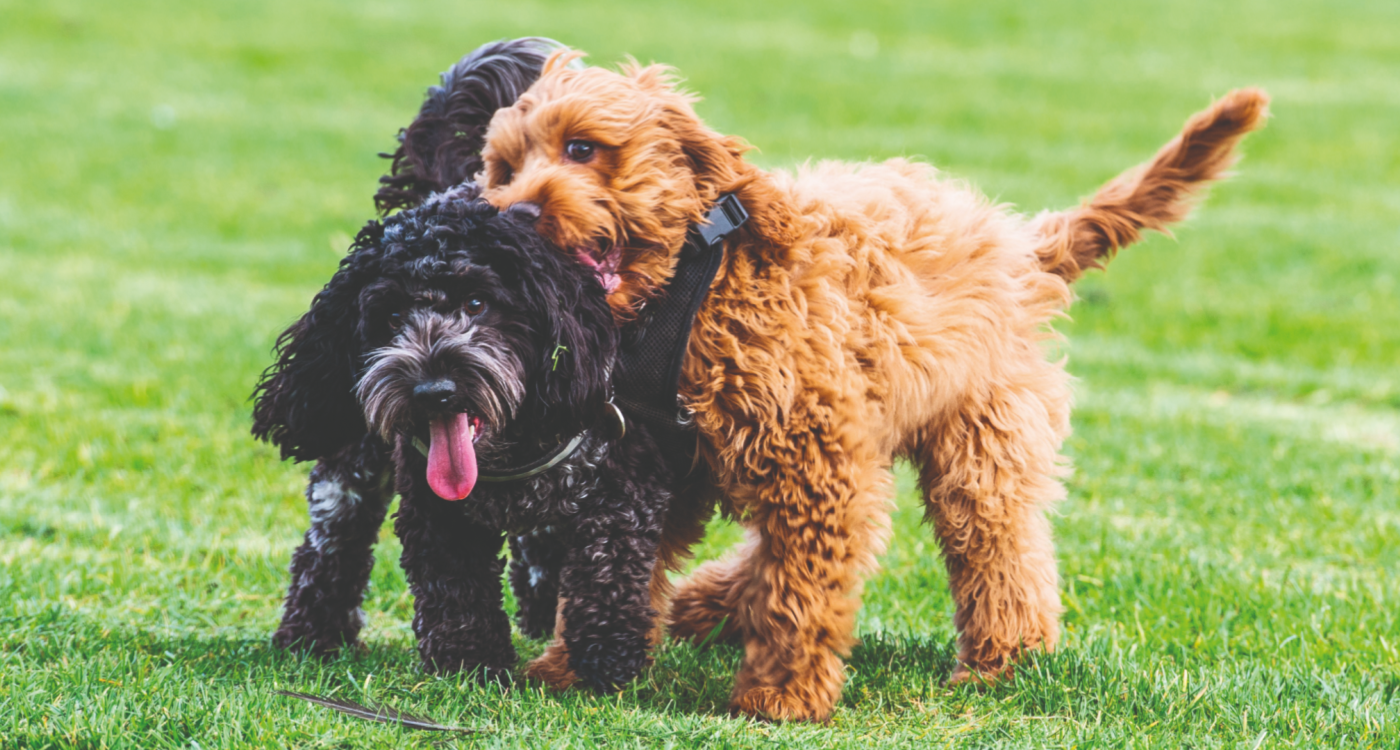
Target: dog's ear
(581, 344)
(717, 162)
(305, 402)
(442, 146)
(576, 337)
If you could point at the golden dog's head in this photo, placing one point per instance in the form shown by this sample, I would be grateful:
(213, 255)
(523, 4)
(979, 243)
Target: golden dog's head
(613, 166)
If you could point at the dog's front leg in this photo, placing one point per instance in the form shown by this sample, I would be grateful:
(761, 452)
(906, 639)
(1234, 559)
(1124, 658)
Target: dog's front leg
(606, 620)
(347, 497)
(454, 569)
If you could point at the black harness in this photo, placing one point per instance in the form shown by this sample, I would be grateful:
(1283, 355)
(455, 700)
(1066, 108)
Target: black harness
(647, 376)
(648, 372)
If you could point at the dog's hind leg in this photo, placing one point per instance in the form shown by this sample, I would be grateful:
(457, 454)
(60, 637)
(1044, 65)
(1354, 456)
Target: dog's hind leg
(821, 518)
(347, 497)
(990, 473)
(707, 598)
(535, 563)
(705, 606)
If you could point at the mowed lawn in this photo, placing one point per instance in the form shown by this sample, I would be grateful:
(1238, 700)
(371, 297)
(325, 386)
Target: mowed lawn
(178, 179)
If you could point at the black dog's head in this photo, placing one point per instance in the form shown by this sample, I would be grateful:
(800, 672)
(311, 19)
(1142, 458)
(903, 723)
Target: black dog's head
(449, 323)
(442, 146)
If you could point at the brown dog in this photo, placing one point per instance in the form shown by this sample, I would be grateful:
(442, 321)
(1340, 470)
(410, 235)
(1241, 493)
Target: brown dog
(866, 312)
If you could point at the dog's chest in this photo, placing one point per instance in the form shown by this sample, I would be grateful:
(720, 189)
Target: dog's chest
(552, 497)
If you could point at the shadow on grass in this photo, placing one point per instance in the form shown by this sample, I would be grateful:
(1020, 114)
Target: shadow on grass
(118, 674)
(883, 670)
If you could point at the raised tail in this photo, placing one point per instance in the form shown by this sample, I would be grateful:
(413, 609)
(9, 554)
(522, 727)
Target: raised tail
(1152, 195)
(442, 146)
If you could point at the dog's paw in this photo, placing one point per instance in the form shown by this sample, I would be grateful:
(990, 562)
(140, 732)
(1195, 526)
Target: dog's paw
(488, 664)
(605, 661)
(552, 668)
(608, 672)
(319, 644)
(776, 704)
(484, 672)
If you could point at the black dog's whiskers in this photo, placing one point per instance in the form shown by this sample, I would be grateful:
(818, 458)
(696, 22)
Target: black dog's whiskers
(434, 345)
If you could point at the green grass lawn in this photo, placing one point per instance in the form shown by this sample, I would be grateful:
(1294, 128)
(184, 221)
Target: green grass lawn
(177, 180)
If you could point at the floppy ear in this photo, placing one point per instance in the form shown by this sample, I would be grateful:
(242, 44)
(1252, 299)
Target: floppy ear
(580, 341)
(717, 163)
(575, 336)
(442, 146)
(716, 160)
(305, 402)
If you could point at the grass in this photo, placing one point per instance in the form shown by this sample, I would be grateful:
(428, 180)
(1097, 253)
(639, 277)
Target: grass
(178, 181)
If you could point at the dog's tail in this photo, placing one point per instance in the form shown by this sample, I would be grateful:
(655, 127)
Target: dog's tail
(1152, 195)
(442, 146)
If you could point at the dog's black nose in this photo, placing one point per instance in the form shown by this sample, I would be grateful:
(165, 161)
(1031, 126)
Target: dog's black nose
(529, 212)
(434, 394)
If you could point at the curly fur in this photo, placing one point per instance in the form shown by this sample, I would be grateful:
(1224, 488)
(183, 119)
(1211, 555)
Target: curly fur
(442, 146)
(531, 364)
(866, 312)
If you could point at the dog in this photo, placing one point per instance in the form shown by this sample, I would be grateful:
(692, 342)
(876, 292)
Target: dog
(864, 313)
(452, 340)
(439, 149)
(331, 569)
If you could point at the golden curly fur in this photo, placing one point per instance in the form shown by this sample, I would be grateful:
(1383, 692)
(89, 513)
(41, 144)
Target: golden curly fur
(866, 312)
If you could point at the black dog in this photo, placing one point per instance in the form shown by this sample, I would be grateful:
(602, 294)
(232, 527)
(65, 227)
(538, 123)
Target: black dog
(439, 149)
(453, 338)
(442, 148)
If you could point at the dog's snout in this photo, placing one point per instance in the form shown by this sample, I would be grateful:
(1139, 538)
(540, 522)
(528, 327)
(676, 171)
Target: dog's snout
(525, 211)
(434, 394)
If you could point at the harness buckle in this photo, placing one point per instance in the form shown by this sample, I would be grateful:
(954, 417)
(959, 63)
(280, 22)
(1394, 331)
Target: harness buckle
(727, 215)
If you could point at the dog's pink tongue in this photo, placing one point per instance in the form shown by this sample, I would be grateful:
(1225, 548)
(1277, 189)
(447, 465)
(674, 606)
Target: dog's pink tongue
(451, 457)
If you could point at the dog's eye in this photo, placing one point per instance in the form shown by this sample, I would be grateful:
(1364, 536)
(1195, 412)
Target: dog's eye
(474, 306)
(395, 321)
(579, 151)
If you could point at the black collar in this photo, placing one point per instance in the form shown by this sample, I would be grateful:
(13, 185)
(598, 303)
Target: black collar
(538, 466)
(549, 460)
(647, 377)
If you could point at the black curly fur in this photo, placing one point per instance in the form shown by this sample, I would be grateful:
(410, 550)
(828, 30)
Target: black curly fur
(348, 495)
(442, 146)
(533, 365)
